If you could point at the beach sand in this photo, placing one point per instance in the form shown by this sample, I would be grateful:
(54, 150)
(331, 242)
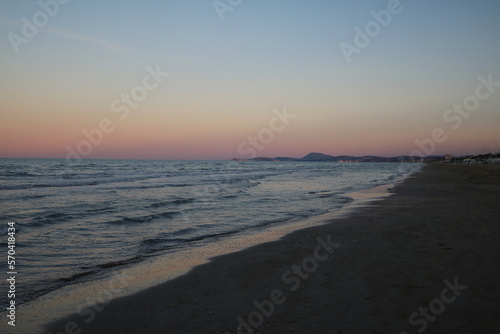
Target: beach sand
(432, 248)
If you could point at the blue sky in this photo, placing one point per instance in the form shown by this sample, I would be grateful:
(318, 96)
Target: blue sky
(227, 76)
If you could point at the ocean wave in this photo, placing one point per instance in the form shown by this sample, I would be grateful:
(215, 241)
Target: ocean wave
(119, 262)
(16, 187)
(25, 197)
(179, 185)
(162, 240)
(322, 193)
(75, 183)
(229, 196)
(186, 230)
(153, 186)
(175, 202)
(78, 275)
(157, 244)
(168, 240)
(17, 174)
(72, 176)
(344, 199)
(100, 210)
(145, 219)
(51, 218)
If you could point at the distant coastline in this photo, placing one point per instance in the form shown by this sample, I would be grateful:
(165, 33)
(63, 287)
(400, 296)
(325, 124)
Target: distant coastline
(315, 157)
(319, 157)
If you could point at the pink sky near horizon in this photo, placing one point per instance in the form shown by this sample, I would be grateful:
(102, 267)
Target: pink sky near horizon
(189, 139)
(170, 128)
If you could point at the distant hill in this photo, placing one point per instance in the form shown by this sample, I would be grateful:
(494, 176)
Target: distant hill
(314, 156)
(318, 157)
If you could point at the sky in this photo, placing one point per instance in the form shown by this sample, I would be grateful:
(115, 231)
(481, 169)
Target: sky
(204, 79)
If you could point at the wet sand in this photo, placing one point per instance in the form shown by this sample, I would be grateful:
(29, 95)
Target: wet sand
(424, 259)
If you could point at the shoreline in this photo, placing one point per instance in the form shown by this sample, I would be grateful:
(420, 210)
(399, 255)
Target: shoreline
(137, 277)
(395, 258)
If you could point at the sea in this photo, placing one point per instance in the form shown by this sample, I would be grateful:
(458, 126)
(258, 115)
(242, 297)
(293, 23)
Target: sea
(77, 221)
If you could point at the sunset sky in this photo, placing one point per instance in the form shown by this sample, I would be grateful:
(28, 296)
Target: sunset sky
(233, 68)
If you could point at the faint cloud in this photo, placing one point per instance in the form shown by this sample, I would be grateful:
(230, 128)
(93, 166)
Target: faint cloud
(107, 45)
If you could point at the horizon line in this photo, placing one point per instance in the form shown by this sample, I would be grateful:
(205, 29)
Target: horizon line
(250, 159)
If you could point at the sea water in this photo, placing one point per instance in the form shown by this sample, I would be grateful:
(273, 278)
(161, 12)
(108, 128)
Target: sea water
(76, 222)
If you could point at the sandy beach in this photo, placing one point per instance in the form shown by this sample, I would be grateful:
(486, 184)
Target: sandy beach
(423, 260)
